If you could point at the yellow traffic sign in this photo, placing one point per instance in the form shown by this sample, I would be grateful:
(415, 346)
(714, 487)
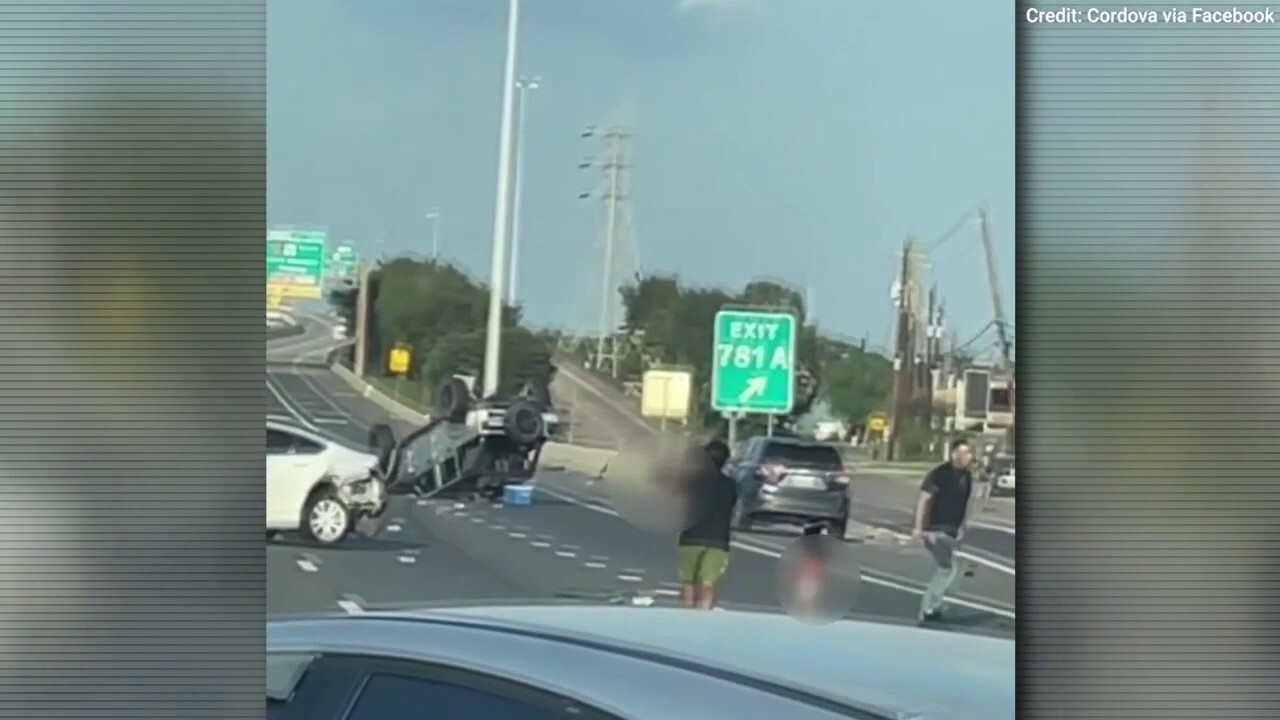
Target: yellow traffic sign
(876, 424)
(398, 361)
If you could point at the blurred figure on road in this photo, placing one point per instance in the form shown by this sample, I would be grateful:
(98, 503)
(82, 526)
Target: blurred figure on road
(704, 545)
(810, 575)
(941, 512)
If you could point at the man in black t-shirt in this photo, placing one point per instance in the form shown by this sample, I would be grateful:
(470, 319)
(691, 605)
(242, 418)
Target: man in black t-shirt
(704, 547)
(940, 518)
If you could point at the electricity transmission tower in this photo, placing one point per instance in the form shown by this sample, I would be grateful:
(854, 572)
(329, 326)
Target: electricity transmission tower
(611, 163)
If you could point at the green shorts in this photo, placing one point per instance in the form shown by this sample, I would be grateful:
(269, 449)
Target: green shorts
(702, 565)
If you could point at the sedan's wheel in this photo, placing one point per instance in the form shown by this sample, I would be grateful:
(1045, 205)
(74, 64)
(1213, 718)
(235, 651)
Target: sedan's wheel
(327, 520)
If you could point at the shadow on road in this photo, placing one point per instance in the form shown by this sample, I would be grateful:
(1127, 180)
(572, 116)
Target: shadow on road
(353, 543)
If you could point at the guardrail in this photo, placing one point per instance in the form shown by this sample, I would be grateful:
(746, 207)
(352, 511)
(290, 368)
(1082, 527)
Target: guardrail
(579, 459)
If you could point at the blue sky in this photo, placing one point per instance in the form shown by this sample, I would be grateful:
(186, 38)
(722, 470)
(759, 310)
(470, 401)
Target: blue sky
(797, 139)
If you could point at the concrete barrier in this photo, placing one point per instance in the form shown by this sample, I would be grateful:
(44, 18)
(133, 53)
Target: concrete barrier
(571, 457)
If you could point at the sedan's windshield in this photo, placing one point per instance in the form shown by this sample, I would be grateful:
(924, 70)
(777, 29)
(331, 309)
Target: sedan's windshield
(734, 223)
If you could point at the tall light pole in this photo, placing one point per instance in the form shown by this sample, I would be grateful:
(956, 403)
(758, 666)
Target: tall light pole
(493, 333)
(434, 217)
(524, 86)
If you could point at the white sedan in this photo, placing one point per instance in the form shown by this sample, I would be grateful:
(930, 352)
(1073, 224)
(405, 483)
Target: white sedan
(318, 486)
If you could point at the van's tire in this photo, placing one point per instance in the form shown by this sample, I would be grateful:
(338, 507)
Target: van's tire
(325, 518)
(523, 423)
(453, 400)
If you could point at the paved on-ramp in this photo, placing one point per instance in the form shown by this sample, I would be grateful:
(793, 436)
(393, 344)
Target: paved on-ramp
(886, 498)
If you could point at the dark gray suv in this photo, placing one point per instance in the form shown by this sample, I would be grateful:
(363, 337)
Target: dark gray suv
(790, 481)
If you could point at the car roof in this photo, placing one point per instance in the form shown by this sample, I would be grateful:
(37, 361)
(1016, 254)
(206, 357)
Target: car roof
(896, 668)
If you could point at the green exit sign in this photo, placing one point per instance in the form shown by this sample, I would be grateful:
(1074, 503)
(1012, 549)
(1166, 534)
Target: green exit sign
(754, 368)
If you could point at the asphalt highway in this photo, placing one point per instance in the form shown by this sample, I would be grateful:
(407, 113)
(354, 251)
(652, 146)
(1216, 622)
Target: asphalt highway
(885, 499)
(569, 542)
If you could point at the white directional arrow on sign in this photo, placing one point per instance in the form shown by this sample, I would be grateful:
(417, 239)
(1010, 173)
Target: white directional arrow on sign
(755, 386)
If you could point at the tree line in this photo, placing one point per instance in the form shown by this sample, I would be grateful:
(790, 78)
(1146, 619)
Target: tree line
(441, 314)
(668, 322)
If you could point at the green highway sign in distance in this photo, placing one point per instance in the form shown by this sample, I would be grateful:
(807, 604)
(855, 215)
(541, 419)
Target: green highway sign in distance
(754, 366)
(346, 261)
(296, 263)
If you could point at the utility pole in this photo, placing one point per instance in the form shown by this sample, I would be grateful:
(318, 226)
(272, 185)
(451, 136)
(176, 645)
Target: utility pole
(614, 195)
(362, 317)
(904, 352)
(501, 210)
(997, 300)
(434, 217)
(524, 86)
(930, 350)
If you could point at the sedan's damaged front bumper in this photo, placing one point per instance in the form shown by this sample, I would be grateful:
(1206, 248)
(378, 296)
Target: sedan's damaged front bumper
(366, 497)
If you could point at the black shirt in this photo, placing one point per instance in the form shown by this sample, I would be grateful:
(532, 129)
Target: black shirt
(712, 495)
(950, 488)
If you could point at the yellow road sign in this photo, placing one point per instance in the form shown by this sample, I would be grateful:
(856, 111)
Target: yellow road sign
(398, 360)
(876, 424)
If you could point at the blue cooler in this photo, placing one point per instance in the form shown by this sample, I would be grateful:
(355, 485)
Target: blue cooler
(517, 495)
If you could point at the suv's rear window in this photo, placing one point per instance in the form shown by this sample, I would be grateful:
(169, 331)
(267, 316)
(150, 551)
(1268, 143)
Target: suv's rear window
(817, 456)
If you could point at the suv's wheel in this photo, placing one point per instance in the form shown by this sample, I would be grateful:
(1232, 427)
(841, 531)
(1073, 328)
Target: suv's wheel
(325, 518)
(839, 528)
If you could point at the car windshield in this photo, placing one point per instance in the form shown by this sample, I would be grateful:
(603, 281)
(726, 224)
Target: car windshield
(737, 220)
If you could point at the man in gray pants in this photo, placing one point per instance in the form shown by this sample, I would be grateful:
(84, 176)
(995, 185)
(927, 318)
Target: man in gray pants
(939, 522)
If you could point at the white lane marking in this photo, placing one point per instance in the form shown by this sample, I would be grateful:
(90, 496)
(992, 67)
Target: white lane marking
(540, 543)
(307, 565)
(406, 559)
(994, 526)
(630, 578)
(289, 407)
(477, 520)
(498, 528)
(986, 560)
(394, 527)
(566, 553)
(595, 564)
(517, 535)
(667, 591)
(315, 390)
(350, 605)
(869, 579)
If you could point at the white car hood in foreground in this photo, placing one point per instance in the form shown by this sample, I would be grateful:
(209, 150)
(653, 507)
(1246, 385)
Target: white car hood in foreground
(924, 673)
